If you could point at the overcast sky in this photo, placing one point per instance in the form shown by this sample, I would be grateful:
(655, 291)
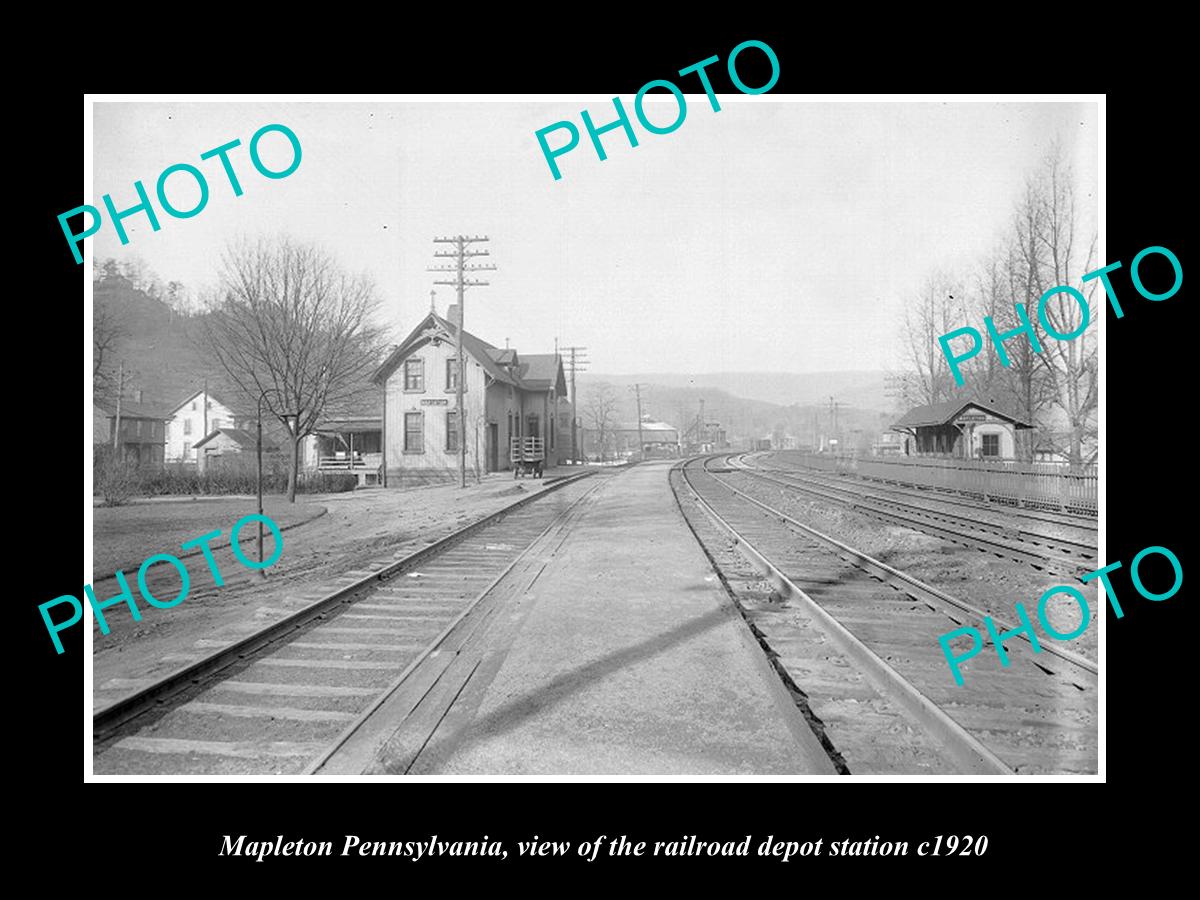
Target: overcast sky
(769, 236)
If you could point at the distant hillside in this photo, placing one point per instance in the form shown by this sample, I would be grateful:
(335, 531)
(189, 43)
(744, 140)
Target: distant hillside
(742, 418)
(860, 390)
(162, 358)
(158, 347)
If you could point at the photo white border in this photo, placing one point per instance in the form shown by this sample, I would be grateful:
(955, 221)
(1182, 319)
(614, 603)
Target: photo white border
(88, 192)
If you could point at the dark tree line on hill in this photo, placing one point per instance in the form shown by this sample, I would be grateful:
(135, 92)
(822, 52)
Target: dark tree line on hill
(1050, 242)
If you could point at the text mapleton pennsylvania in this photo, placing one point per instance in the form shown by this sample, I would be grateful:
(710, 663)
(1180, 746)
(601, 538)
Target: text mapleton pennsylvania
(604, 845)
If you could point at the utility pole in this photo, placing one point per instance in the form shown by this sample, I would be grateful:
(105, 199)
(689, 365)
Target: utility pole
(703, 427)
(206, 407)
(460, 254)
(117, 420)
(577, 362)
(637, 388)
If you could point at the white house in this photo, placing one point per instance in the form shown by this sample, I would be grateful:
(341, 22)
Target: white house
(191, 420)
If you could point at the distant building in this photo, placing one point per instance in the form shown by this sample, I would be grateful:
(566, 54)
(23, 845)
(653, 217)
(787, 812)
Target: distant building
(193, 419)
(621, 440)
(890, 443)
(965, 429)
(141, 437)
(226, 442)
(506, 395)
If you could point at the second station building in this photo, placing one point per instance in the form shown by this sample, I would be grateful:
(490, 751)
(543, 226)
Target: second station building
(965, 429)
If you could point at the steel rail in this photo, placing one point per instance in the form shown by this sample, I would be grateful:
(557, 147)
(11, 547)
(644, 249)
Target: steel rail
(971, 755)
(921, 500)
(1063, 565)
(904, 581)
(950, 497)
(318, 763)
(111, 717)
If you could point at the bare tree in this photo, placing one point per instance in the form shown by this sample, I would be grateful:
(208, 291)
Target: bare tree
(141, 276)
(1006, 277)
(600, 406)
(938, 308)
(1070, 365)
(108, 332)
(293, 331)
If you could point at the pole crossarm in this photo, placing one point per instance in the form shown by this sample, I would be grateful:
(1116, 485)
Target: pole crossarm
(461, 254)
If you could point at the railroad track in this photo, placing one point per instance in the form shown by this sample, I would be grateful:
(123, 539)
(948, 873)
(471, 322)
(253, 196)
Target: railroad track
(282, 699)
(972, 526)
(856, 642)
(1071, 521)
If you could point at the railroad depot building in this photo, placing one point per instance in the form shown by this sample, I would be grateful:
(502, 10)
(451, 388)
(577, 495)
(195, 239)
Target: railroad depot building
(506, 394)
(968, 429)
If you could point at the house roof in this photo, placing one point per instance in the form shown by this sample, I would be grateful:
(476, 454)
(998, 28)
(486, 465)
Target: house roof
(240, 436)
(131, 410)
(347, 424)
(542, 371)
(948, 411)
(534, 371)
(211, 396)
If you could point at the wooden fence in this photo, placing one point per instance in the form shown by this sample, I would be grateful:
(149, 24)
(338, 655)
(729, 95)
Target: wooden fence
(1051, 486)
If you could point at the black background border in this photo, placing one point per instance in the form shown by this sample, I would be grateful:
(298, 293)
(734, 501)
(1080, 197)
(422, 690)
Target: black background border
(179, 826)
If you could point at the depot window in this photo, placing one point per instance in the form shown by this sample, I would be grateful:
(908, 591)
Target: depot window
(414, 432)
(991, 445)
(414, 375)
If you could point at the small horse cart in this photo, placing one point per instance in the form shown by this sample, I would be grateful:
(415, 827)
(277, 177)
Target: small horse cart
(528, 456)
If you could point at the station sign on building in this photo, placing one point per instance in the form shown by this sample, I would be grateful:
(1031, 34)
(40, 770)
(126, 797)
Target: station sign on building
(964, 429)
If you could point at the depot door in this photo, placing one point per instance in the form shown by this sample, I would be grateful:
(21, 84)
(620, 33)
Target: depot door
(493, 447)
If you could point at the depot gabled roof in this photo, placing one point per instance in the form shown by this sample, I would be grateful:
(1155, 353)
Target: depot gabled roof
(948, 411)
(532, 371)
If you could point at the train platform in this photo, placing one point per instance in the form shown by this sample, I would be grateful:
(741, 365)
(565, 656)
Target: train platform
(620, 655)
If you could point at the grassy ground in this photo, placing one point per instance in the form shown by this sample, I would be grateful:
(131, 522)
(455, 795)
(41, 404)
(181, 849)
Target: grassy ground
(126, 535)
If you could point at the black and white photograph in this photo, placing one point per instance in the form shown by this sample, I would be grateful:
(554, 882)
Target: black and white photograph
(531, 436)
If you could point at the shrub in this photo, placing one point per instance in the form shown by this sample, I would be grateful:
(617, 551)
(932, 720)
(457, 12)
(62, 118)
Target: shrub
(115, 479)
(325, 483)
(232, 473)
